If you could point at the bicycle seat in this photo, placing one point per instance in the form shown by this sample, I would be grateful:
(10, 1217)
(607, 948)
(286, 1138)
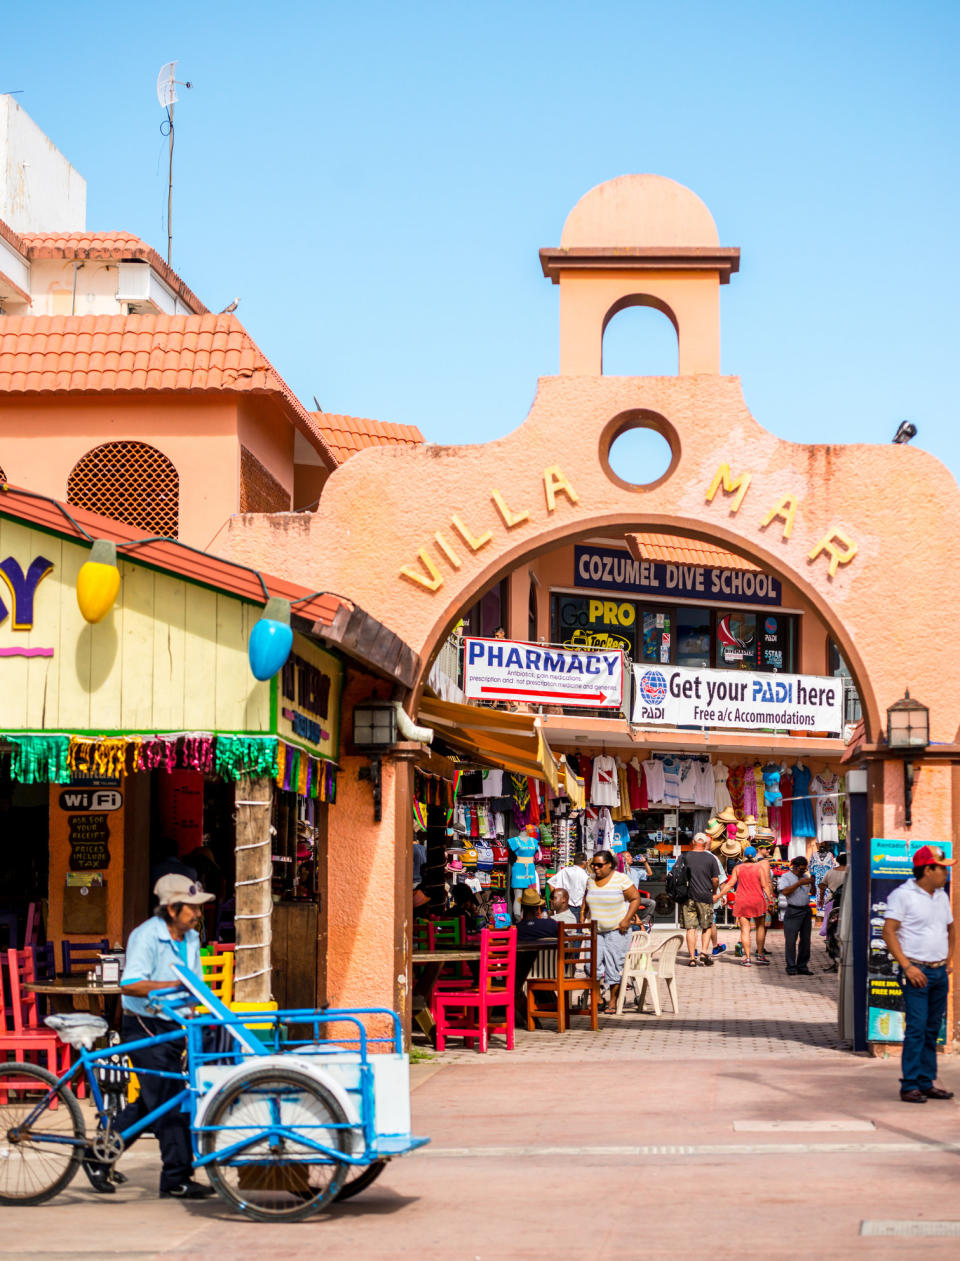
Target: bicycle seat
(78, 1029)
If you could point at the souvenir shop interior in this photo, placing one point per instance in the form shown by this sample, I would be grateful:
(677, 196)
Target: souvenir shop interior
(92, 823)
(490, 824)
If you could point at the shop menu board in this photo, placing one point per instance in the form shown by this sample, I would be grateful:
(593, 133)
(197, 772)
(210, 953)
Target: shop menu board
(509, 670)
(891, 863)
(692, 697)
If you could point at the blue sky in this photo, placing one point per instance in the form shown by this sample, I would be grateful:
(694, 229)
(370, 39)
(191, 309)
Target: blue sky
(374, 181)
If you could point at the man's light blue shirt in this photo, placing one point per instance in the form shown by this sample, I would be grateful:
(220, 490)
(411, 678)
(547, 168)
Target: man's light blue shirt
(151, 954)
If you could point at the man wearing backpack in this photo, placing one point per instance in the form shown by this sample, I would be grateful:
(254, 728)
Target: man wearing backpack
(697, 882)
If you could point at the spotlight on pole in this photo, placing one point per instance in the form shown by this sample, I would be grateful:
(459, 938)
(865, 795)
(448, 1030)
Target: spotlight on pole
(905, 433)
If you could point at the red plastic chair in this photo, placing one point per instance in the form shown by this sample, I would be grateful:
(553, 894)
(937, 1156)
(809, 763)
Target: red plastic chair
(454, 1010)
(22, 1032)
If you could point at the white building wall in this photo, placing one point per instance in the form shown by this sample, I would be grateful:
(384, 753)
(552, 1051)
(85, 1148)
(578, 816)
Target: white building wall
(39, 190)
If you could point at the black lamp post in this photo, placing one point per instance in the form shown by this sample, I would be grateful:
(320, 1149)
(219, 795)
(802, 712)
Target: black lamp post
(908, 733)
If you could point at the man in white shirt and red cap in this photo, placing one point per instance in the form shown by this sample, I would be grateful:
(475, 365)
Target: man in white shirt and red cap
(919, 934)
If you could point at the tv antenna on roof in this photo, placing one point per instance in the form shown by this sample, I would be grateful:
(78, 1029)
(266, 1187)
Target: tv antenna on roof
(167, 84)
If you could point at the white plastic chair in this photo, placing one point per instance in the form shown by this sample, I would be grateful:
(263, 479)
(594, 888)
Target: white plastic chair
(635, 965)
(661, 966)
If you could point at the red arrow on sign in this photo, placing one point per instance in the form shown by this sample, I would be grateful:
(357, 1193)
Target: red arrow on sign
(535, 691)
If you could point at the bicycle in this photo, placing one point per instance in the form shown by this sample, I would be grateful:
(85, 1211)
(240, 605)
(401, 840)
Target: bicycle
(283, 1125)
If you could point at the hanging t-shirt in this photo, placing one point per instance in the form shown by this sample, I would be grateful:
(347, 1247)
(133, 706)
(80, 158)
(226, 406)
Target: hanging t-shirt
(687, 790)
(484, 856)
(671, 781)
(493, 784)
(620, 838)
(605, 832)
(523, 873)
(653, 775)
(605, 788)
(826, 799)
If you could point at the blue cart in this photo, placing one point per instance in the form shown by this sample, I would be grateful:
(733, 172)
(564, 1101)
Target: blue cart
(289, 1110)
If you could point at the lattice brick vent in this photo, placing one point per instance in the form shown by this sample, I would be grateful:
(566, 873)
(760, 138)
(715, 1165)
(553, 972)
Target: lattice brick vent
(131, 482)
(259, 489)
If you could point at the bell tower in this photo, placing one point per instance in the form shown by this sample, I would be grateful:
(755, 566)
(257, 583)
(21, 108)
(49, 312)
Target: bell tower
(639, 240)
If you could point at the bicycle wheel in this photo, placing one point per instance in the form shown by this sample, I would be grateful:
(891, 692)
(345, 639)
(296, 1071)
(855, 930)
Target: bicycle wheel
(280, 1179)
(33, 1170)
(359, 1178)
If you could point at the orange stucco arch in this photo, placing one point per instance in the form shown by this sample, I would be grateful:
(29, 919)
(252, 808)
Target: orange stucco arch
(441, 523)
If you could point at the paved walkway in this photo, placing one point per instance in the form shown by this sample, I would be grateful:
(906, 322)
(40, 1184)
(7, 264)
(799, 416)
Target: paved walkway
(726, 1010)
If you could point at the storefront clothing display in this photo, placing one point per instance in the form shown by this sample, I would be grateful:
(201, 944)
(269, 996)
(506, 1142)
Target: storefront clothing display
(605, 786)
(624, 811)
(493, 784)
(803, 823)
(826, 798)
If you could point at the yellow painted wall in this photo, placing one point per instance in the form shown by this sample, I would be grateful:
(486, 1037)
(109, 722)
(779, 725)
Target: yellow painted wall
(170, 656)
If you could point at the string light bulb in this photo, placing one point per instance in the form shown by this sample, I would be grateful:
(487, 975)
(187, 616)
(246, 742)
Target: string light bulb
(271, 639)
(98, 581)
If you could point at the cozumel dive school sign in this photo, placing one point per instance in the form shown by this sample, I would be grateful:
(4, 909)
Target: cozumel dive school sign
(610, 569)
(506, 670)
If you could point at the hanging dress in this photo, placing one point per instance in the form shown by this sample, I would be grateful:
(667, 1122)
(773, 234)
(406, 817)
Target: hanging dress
(758, 784)
(735, 788)
(803, 824)
(721, 793)
(785, 828)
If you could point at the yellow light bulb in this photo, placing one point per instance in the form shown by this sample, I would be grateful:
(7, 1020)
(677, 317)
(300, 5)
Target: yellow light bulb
(98, 581)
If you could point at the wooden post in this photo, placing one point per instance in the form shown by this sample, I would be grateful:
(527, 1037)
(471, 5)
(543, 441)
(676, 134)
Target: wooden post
(254, 903)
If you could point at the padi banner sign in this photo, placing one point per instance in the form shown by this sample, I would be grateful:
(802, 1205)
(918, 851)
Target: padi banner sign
(507, 670)
(686, 697)
(611, 569)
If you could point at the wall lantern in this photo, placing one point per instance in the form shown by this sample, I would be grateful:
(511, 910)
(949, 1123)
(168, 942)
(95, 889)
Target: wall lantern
(98, 581)
(271, 639)
(374, 729)
(908, 732)
(375, 725)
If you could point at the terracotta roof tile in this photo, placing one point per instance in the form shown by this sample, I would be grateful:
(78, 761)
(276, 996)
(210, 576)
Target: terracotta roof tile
(168, 555)
(113, 246)
(674, 550)
(346, 435)
(143, 353)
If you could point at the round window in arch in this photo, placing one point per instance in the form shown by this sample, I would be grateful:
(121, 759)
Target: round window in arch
(130, 482)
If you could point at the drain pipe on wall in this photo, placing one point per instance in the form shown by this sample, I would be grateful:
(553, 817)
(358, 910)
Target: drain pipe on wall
(409, 729)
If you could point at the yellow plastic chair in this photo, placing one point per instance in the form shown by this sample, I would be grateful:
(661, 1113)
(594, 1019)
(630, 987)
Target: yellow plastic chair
(218, 974)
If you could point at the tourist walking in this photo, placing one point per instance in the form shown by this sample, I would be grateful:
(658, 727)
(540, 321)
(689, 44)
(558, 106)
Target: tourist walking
(794, 888)
(919, 934)
(752, 895)
(696, 911)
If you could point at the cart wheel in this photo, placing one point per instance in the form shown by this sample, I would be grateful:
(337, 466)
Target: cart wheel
(283, 1180)
(32, 1170)
(359, 1178)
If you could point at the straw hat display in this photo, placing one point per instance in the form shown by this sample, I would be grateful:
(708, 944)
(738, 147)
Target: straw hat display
(728, 815)
(730, 848)
(716, 829)
(743, 833)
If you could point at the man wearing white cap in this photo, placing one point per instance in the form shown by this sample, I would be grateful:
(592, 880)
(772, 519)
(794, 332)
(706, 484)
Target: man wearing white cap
(168, 937)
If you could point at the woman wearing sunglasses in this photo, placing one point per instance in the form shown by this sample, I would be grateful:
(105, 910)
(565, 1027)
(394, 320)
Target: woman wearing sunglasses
(611, 900)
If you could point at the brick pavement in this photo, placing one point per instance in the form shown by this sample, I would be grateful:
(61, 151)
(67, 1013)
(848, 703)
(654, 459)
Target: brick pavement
(728, 1009)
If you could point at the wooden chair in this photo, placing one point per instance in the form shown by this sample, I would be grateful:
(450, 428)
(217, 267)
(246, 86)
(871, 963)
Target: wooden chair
(81, 956)
(218, 974)
(576, 953)
(421, 934)
(455, 1009)
(661, 966)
